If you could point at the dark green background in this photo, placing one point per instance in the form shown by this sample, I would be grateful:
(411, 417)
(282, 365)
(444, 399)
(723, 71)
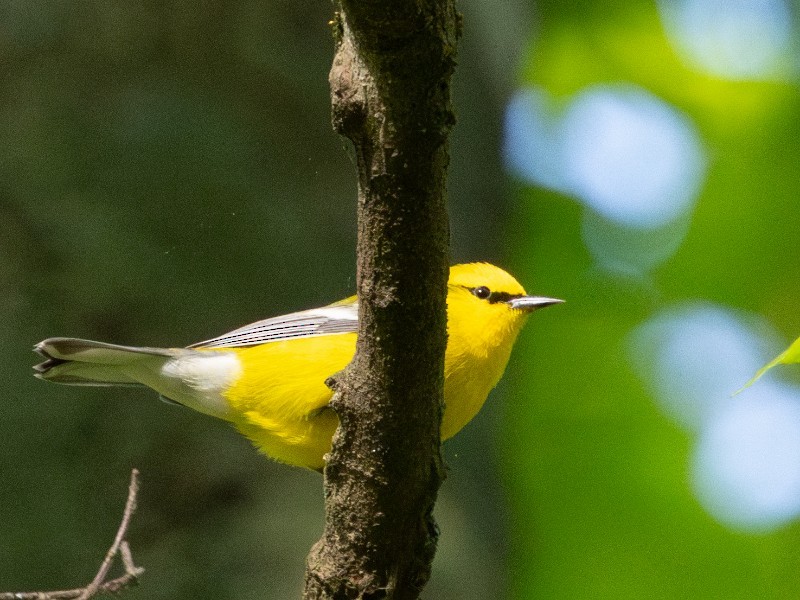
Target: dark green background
(168, 172)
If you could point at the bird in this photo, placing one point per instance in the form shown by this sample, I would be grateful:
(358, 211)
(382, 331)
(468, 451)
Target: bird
(268, 378)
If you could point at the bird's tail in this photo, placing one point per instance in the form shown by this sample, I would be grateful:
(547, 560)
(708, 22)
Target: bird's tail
(84, 362)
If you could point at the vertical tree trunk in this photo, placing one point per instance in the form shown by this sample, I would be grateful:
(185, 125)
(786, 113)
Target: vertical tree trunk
(390, 89)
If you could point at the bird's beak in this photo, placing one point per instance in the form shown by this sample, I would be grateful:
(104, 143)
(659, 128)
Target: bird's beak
(531, 303)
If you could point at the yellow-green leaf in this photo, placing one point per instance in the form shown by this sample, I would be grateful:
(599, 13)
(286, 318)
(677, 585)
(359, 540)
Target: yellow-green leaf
(788, 356)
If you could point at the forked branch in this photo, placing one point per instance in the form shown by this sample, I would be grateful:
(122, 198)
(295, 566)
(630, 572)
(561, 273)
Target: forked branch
(100, 584)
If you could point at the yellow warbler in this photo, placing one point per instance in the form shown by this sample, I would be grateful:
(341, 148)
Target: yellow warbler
(268, 378)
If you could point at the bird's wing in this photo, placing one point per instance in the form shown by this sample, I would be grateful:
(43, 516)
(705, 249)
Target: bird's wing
(341, 317)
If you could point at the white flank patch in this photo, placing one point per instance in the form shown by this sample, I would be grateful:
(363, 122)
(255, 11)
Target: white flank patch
(199, 380)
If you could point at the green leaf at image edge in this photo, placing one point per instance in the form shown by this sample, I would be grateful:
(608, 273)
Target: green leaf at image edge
(788, 356)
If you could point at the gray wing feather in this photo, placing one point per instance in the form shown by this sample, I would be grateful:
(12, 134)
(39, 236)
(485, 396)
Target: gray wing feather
(328, 320)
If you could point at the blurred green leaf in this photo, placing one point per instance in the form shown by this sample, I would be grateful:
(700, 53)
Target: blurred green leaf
(789, 356)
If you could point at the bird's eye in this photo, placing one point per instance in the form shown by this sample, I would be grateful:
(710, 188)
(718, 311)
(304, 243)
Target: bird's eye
(482, 292)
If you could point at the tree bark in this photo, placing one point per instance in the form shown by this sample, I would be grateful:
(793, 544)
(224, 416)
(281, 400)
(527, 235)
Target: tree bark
(390, 90)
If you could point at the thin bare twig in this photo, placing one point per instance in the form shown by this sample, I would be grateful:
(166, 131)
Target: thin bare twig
(99, 584)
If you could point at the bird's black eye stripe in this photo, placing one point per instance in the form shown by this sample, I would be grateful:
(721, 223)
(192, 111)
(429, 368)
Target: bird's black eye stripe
(484, 293)
(495, 297)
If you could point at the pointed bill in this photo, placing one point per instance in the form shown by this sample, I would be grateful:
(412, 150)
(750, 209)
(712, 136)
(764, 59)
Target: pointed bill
(531, 303)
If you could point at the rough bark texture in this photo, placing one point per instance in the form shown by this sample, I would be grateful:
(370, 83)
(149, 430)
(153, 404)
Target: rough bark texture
(390, 89)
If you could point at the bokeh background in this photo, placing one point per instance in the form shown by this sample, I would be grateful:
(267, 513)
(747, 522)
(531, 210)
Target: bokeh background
(168, 172)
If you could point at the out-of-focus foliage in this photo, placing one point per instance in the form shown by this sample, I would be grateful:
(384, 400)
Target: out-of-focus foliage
(168, 172)
(631, 471)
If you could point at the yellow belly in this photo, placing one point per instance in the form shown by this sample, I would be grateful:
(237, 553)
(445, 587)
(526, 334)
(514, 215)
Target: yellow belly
(280, 400)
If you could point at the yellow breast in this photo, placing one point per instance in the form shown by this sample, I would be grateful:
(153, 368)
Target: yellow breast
(280, 400)
(480, 339)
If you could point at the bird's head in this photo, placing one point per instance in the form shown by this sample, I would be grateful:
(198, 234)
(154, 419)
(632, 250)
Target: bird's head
(489, 302)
